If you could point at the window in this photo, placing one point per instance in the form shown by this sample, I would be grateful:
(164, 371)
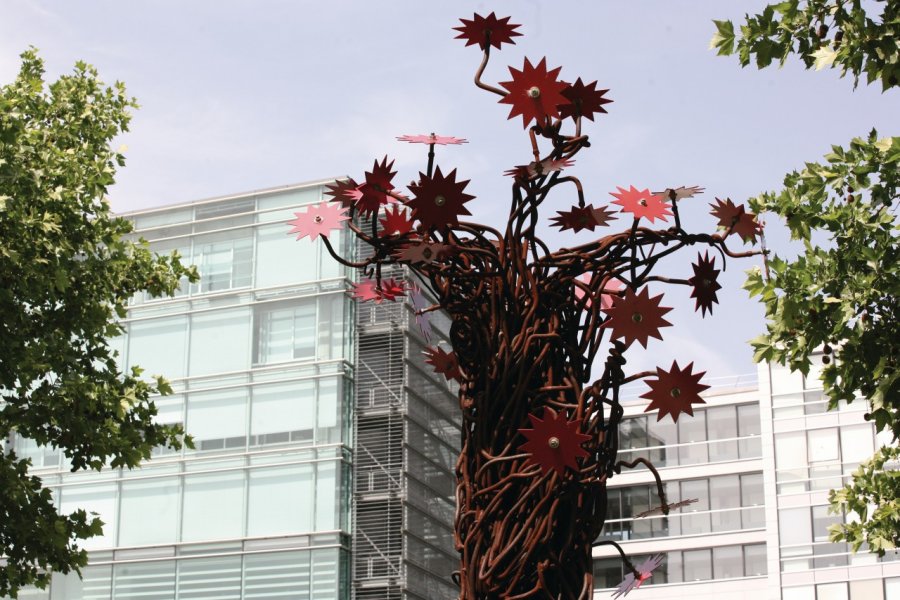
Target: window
(794, 526)
(697, 565)
(693, 430)
(827, 554)
(695, 523)
(283, 412)
(805, 592)
(728, 562)
(272, 246)
(158, 345)
(218, 419)
(857, 443)
(822, 445)
(213, 506)
(281, 500)
(755, 560)
(832, 591)
(724, 494)
(752, 495)
(149, 511)
(220, 341)
(224, 261)
(749, 427)
(722, 424)
(98, 498)
(286, 334)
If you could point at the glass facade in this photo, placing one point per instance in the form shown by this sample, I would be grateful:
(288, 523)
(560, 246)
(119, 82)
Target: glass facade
(260, 356)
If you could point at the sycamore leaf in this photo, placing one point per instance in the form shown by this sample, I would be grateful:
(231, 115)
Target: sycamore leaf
(824, 57)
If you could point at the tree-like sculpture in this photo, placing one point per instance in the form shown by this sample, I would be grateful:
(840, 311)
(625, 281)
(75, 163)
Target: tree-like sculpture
(540, 439)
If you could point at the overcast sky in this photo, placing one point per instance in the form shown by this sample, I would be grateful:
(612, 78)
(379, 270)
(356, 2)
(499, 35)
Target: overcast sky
(238, 96)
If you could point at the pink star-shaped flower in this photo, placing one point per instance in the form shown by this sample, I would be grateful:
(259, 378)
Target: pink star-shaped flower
(440, 140)
(318, 220)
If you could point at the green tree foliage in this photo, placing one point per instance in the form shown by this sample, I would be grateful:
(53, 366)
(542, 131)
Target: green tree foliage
(849, 34)
(839, 295)
(66, 274)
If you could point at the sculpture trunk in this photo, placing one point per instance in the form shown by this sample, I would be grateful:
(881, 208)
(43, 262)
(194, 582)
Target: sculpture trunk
(523, 532)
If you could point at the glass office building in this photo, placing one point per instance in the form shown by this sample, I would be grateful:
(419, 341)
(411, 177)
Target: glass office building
(263, 354)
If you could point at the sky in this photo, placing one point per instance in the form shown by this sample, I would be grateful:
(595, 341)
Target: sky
(238, 96)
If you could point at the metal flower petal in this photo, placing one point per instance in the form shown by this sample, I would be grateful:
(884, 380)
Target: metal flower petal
(439, 140)
(554, 442)
(444, 363)
(343, 191)
(644, 571)
(439, 200)
(680, 193)
(534, 92)
(396, 221)
(583, 100)
(636, 317)
(318, 220)
(703, 284)
(642, 203)
(674, 391)
(487, 30)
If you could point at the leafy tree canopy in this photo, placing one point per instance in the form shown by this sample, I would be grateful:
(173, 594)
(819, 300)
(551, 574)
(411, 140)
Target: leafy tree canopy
(840, 296)
(848, 34)
(66, 274)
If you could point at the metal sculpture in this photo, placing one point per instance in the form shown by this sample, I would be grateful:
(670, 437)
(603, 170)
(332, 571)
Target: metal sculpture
(540, 439)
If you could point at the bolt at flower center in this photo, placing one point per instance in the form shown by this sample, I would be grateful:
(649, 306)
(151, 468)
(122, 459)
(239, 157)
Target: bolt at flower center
(675, 392)
(534, 92)
(318, 219)
(427, 253)
(637, 317)
(553, 442)
(440, 200)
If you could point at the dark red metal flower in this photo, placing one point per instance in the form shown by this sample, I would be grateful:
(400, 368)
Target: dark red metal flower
(554, 442)
(487, 30)
(674, 391)
(396, 221)
(424, 252)
(582, 100)
(636, 317)
(373, 194)
(534, 92)
(704, 283)
(736, 219)
(586, 217)
(438, 200)
(440, 140)
(644, 572)
(642, 203)
(318, 220)
(343, 191)
(444, 363)
(391, 289)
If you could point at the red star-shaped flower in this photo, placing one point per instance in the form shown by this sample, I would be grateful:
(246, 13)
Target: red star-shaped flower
(484, 30)
(582, 100)
(396, 221)
(674, 391)
(440, 140)
(343, 191)
(703, 283)
(554, 443)
(642, 204)
(736, 219)
(644, 572)
(424, 252)
(534, 92)
(374, 192)
(318, 220)
(444, 363)
(636, 317)
(369, 290)
(438, 200)
(587, 217)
